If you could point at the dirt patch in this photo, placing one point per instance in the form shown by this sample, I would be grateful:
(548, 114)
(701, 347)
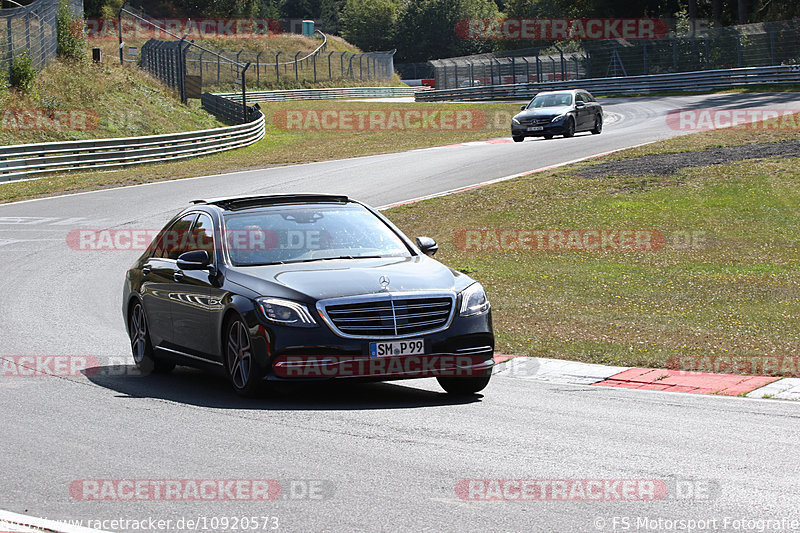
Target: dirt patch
(670, 163)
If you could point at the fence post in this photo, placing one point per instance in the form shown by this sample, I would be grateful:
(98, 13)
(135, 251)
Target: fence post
(258, 68)
(41, 39)
(538, 68)
(350, 67)
(119, 34)
(314, 59)
(277, 68)
(330, 73)
(219, 55)
(28, 31)
(471, 74)
(296, 75)
(182, 69)
(341, 65)
(513, 70)
(244, 94)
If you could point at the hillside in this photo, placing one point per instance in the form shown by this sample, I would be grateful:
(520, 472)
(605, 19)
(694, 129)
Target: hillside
(74, 100)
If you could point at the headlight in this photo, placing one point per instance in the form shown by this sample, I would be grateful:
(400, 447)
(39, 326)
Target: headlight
(514, 120)
(559, 117)
(286, 312)
(474, 300)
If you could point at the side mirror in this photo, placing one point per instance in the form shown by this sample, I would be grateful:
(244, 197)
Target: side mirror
(579, 104)
(194, 260)
(427, 245)
(522, 107)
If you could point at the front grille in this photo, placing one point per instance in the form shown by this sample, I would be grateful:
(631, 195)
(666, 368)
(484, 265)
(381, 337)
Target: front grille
(535, 121)
(390, 315)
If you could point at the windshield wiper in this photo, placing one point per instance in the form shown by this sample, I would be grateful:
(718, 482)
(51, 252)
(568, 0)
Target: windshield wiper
(337, 257)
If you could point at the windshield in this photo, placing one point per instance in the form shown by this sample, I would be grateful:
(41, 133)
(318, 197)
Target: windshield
(551, 100)
(290, 234)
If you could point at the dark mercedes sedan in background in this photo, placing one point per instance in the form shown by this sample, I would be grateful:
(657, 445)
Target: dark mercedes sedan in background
(558, 113)
(304, 287)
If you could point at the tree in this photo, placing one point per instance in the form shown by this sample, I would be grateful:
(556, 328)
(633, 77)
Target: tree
(369, 24)
(426, 29)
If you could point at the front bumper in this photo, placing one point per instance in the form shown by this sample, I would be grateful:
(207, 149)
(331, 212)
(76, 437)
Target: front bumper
(551, 128)
(313, 368)
(465, 348)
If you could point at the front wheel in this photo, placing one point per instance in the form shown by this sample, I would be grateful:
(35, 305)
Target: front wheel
(141, 347)
(463, 386)
(517, 139)
(570, 131)
(598, 125)
(239, 362)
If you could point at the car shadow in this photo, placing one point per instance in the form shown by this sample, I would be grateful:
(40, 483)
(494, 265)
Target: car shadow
(203, 389)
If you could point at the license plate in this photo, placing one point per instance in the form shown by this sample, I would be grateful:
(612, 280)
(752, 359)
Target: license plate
(404, 347)
(535, 128)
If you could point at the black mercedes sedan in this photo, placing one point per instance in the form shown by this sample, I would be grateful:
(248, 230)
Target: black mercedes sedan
(304, 287)
(558, 113)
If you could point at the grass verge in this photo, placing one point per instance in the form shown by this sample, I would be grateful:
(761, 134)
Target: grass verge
(724, 289)
(289, 141)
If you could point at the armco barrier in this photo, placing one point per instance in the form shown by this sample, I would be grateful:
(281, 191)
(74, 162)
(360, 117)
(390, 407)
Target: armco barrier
(29, 160)
(679, 81)
(323, 94)
(228, 109)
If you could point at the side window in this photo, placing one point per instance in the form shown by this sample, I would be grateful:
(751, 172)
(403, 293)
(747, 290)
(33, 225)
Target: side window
(588, 97)
(579, 97)
(176, 239)
(203, 235)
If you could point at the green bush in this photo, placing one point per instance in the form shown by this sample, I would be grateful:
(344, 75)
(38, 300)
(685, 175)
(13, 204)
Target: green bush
(71, 41)
(22, 73)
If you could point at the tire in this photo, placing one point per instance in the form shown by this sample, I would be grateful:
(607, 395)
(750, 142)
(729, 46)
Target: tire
(548, 136)
(141, 347)
(570, 128)
(598, 125)
(464, 386)
(517, 139)
(240, 363)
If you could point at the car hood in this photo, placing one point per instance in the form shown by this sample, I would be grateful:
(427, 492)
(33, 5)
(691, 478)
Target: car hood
(544, 112)
(348, 277)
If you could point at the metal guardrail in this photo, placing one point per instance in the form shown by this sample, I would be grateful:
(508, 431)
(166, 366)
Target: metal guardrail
(677, 81)
(27, 160)
(323, 94)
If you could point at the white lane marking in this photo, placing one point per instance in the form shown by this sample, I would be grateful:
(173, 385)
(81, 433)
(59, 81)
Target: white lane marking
(6, 242)
(43, 523)
(50, 221)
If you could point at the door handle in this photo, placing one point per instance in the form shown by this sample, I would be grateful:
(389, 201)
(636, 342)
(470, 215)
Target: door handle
(146, 270)
(177, 276)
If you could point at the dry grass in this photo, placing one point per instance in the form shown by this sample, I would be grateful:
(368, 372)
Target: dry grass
(726, 283)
